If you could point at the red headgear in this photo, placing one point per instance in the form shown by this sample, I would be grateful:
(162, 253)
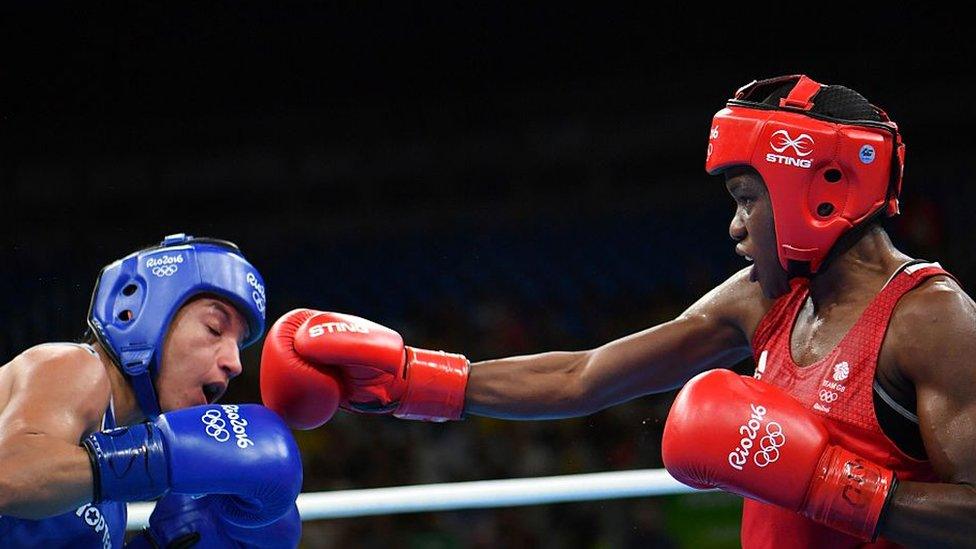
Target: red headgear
(824, 175)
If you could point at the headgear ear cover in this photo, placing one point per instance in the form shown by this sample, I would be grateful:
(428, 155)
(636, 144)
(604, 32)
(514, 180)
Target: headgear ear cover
(136, 297)
(824, 175)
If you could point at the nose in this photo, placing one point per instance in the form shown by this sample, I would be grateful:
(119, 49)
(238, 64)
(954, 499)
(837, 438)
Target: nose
(737, 229)
(230, 360)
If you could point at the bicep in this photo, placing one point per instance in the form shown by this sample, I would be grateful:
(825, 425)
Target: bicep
(948, 427)
(939, 357)
(947, 418)
(712, 333)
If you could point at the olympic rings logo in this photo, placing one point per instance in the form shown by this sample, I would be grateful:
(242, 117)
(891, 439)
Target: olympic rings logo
(216, 426)
(258, 300)
(165, 270)
(258, 294)
(828, 396)
(769, 445)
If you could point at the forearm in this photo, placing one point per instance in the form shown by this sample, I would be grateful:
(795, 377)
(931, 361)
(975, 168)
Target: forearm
(541, 386)
(42, 479)
(569, 384)
(923, 514)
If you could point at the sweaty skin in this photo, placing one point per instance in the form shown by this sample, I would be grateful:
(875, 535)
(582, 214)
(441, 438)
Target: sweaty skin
(927, 353)
(54, 395)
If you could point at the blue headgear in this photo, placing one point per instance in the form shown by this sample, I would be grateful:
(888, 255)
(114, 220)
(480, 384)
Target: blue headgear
(136, 297)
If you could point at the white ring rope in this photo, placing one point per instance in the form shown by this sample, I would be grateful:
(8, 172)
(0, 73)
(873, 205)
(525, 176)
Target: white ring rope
(471, 495)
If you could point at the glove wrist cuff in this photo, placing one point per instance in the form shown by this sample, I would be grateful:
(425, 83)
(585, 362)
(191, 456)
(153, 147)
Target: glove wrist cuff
(848, 493)
(128, 463)
(436, 382)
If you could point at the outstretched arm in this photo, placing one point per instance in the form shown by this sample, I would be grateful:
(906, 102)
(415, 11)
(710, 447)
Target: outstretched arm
(309, 354)
(712, 333)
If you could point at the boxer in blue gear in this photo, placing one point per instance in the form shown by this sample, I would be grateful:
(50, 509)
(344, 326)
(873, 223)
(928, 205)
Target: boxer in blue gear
(167, 323)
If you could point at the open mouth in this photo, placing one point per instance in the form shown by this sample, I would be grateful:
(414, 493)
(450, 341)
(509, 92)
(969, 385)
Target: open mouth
(739, 250)
(753, 273)
(213, 391)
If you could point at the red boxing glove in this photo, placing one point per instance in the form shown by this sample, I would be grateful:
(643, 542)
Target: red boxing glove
(378, 373)
(748, 437)
(304, 395)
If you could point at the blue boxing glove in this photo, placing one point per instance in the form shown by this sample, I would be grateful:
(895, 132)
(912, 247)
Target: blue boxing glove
(181, 521)
(243, 452)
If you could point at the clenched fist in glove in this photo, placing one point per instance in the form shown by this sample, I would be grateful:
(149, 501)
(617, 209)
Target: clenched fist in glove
(751, 438)
(243, 454)
(312, 359)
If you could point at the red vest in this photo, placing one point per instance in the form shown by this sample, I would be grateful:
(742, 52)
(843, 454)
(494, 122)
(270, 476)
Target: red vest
(838, 388)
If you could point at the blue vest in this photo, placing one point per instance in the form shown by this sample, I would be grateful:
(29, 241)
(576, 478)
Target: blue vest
(95, 526)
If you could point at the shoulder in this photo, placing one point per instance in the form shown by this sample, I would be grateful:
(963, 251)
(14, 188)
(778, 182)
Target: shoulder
(937, 304)
(63, 375)
(933, 329)
(737, 301)
(64, 359)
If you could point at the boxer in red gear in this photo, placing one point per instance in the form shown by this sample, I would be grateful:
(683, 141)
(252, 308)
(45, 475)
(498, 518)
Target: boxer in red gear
(863, 354)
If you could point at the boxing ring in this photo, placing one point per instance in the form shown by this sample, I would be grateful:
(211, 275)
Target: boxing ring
(471, 495)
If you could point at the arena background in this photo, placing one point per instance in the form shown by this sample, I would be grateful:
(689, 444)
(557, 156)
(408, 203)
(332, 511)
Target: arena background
(484, 178)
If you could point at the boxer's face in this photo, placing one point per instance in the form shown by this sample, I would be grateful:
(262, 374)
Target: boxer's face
(200, 353)
(752, 228)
